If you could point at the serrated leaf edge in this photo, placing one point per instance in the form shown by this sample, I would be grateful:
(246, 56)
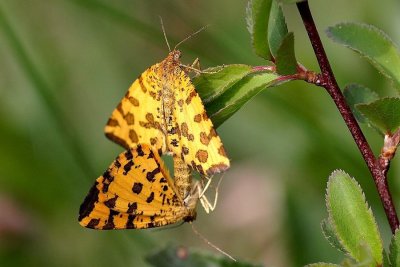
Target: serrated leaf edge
(369, 27)
(369, 210)
(249, 18)
(364, 87)
(329, 239)
(272, 20)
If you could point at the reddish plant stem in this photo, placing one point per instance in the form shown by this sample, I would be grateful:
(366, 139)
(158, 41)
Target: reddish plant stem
(329, 83)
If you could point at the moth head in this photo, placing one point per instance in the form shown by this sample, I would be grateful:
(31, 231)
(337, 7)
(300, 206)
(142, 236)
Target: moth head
(176, 55)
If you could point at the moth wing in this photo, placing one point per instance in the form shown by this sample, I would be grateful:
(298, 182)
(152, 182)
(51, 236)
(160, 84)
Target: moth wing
(199, 144)
(137, 118)
(135, 192)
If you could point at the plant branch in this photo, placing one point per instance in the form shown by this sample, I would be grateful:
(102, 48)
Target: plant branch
(328, 81)
(301, 74)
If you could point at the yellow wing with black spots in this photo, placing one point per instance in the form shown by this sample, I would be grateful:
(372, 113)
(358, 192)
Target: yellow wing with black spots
(199, 144)
(138, 117)
(136, 191)
(163, 109)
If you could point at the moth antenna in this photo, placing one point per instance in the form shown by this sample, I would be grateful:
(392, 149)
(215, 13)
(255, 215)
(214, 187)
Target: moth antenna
(193, 34)
(211, 244)
(165, 35)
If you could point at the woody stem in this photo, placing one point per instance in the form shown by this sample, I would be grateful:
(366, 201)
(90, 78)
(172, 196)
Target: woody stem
(328, 81)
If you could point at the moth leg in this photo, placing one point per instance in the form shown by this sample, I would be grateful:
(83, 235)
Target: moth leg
(194, 67)
(196, 64)
(208, 207)
(204, 188)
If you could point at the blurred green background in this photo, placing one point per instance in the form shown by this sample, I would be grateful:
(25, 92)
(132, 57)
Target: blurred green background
(65, 64)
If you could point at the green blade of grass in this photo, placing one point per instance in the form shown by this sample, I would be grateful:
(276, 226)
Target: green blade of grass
(43, 90)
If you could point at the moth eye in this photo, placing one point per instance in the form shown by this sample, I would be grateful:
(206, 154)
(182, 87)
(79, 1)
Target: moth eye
(177, 55)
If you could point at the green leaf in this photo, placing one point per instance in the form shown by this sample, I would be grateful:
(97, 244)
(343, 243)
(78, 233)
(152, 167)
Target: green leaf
(358, 94)
(214, 81)
(330, 235)
(371, 43)
(277, 28)
(286, 63)
(383, 114)
(367, 258)
(257, 23)
(322, 264)
(386, 261)
(226, 104)
(394, 249)
(177, 256)
(352, 219)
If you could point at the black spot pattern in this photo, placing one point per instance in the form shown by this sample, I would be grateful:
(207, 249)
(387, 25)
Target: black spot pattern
(111, 202)
(129, 223)
(128, 167)
(108, 178)
(93, 223)
(151, 155)
(132, 207)
(117, 163)
(150, 198)
(128, 154)
(107, 175)
(137, 188)
(139, 150)
(173, 130)
(174, 142)
(150, 175)
(110, 222)
(88, 204)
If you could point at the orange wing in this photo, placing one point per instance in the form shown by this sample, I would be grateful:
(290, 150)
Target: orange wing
(135, 192)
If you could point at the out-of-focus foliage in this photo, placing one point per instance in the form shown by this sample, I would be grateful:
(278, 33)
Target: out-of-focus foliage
(66, 64)
(358, 94)
(371, 43)
(394, 250)
(175, 256)
(383, 113)
(286, 63)
(257, 23)
(277, 28)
